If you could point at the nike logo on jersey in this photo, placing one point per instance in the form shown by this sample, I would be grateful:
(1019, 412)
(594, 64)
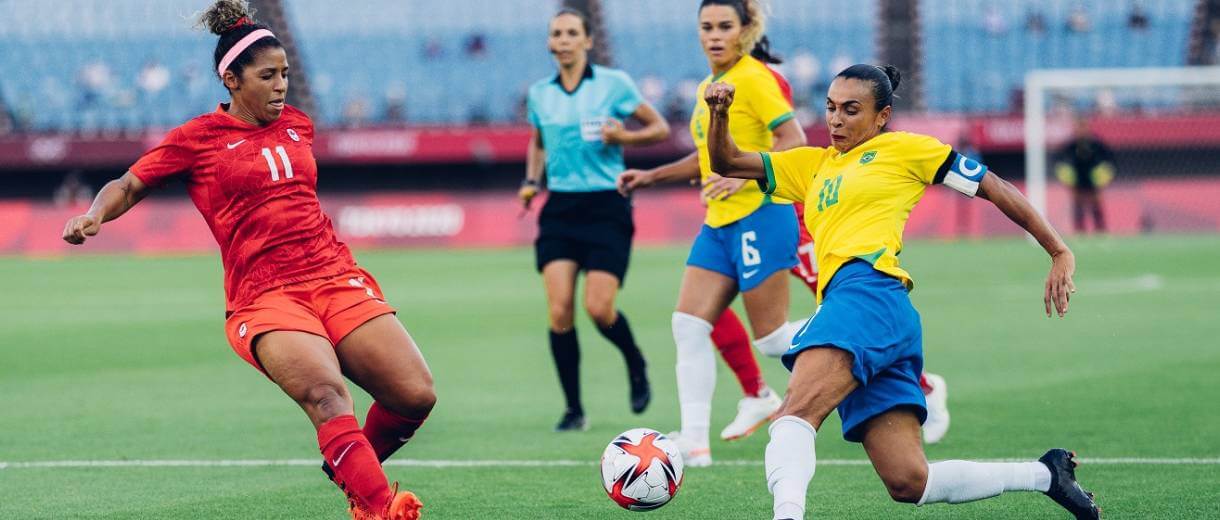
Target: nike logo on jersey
(235, 145)
(335, 463)
(749, 274)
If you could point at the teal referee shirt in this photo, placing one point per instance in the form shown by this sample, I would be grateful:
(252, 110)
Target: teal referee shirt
(570, 126)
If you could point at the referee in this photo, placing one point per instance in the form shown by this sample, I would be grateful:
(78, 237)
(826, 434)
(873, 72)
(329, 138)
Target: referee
(586, 225)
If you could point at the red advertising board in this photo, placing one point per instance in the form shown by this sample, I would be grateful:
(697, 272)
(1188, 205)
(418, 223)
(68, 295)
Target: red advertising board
(507, 144)
(160, 226)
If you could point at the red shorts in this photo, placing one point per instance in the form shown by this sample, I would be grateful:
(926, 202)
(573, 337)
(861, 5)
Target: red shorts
(807, 269)
(328, 307)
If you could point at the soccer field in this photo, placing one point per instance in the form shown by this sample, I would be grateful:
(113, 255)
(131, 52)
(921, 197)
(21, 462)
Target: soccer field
(123, 359)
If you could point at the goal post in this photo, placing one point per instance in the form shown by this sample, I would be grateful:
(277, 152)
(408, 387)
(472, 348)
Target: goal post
(1130, 94)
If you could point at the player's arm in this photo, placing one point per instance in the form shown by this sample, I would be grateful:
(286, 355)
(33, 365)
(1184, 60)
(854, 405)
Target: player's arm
(786, 136)
(535, 161)
(114, 199)
(654, 129)
(683, 169)
(726, 158)
(1016, 207)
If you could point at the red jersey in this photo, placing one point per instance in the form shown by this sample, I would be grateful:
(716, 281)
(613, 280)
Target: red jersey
(256, 186)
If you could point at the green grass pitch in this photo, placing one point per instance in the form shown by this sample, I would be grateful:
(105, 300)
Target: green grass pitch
(124, 358)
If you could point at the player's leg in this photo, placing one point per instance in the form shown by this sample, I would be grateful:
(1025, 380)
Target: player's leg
(1078, 210)
(1099, 218)
(766, 248)
(559, 279)
(307, 370)
(381, 358)
(601, 291)
(892, 442)
(703, 296)
(821, 378)
(733, 342)
(767, 307)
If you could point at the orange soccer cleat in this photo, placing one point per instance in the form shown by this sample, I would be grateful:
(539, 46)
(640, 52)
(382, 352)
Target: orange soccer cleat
(404, 506)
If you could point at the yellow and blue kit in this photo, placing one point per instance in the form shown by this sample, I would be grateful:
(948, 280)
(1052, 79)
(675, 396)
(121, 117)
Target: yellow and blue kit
(746, 237)
(856, 207)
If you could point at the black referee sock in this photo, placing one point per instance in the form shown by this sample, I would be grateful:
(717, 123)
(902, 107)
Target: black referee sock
(566, 351)
(620, 335)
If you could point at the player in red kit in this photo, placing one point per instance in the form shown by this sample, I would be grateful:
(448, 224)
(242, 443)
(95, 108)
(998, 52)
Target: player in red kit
(298, 307)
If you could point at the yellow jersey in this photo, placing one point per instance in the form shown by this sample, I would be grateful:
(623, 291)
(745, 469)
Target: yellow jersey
(758, 107)
(857, 203)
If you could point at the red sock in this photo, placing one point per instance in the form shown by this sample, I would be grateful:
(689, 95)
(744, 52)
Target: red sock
(357, 470)
(924, 384)
(388, 431)
(733, 342)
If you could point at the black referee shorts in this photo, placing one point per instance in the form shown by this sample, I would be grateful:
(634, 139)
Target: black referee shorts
(593, 229)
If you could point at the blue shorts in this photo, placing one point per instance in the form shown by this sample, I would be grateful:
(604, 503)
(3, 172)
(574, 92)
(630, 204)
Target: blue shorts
(751, 249)
(869, 314)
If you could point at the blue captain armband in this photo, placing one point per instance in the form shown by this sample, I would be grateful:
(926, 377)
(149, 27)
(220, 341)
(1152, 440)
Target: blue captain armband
(961, 173)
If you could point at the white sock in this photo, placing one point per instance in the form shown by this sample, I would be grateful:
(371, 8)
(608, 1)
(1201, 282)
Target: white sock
(790, 463)
(696, 375)
(778, 341)
(957, 481)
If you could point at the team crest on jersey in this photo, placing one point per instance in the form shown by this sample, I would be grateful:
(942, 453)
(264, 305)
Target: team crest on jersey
(293, 134)
(868, 157)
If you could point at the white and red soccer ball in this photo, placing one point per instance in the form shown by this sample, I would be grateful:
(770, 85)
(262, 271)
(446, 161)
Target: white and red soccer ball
(641, 469)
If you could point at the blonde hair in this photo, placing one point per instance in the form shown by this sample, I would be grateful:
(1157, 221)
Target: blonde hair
(753, 32)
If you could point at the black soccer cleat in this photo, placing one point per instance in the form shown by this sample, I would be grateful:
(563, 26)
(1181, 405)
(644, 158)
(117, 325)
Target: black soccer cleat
(1064, 490)
(641, 392)
(572, 422)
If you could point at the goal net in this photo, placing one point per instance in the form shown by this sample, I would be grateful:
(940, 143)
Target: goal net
(1146, 141)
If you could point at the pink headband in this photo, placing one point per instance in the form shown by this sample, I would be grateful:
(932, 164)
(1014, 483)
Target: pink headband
(241, 47)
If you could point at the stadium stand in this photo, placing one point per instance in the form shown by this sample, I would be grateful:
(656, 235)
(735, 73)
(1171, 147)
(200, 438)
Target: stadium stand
(95, 66)
(447, 62)
(79, 66)
(977, 52)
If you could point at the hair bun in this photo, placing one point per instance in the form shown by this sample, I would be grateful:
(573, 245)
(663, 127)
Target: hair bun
(226, 15)
(894, 74)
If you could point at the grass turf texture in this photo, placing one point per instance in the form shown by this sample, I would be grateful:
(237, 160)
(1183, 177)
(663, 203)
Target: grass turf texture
(114, 357)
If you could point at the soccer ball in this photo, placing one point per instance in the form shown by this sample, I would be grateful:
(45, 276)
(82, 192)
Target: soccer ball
(641, 469)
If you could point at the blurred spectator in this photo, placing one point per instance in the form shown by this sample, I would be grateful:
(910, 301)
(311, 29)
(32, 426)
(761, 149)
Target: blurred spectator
(1138, 19)
(1035, 21)
(355, 112)
(6, 119)
(840, 62)
(1086, 165)
(433, 50)
(1078, 21)
(994, 22)
(1107, 102)
(476, 45)
(94, 80)
(153, 78)
(73, 192)
(806, 71)
(396, 103)
(653, 89)
(682, 100)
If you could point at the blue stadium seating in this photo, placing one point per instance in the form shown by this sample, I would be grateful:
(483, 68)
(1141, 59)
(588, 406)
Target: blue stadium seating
(969, 68)
(361, 52)
(41, 59)
(357, 53)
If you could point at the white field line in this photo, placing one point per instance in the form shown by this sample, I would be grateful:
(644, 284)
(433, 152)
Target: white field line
(418, 463)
